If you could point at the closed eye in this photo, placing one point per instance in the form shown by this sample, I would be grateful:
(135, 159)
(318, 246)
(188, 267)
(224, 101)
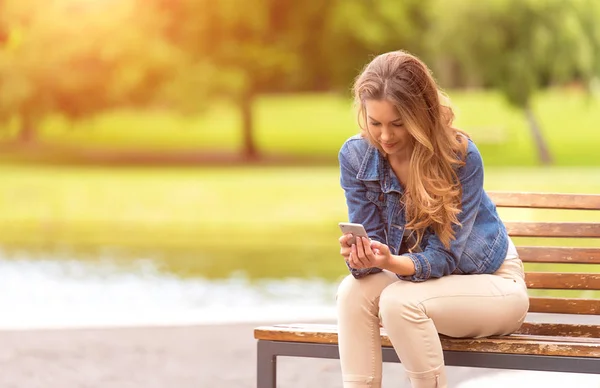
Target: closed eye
(375, 124)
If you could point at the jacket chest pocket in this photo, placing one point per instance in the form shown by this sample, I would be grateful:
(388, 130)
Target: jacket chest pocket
(377, 197)
(374, 193)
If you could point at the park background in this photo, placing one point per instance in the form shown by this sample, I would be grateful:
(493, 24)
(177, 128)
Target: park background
(174, 162)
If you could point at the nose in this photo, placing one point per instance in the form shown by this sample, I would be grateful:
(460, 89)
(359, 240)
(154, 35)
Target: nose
(386, 134)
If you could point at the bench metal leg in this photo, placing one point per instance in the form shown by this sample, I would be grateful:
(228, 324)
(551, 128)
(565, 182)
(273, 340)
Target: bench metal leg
(266, 376)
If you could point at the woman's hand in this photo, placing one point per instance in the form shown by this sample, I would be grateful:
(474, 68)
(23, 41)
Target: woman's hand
(367, 254)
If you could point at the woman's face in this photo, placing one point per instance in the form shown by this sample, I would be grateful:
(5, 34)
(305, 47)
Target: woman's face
(387, 128)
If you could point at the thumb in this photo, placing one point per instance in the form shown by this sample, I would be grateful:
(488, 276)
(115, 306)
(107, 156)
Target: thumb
(382, 248)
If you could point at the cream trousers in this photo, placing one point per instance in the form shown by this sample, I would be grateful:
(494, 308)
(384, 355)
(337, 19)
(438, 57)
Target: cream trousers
(414, 313)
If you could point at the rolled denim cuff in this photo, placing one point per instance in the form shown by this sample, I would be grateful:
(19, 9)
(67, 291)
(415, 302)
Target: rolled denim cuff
(422, 268)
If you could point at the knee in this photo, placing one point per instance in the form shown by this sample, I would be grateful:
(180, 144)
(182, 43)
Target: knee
(398, 302)
(348, 290)
(362, 292)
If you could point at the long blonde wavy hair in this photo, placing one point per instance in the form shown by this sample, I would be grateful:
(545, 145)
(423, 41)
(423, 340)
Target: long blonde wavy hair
(432, 196)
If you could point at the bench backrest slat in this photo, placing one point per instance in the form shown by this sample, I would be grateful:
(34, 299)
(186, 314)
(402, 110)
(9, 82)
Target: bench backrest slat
(553, 229)
(545, 258)
(563, 281)
(567, 255)
(564, 305)
(546, 200)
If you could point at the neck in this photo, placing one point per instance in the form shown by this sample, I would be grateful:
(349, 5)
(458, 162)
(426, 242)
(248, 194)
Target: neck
(400, 167)
(400, 158)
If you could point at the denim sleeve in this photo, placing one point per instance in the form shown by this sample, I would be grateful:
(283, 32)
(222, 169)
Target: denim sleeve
(360, 209)
(436, 260)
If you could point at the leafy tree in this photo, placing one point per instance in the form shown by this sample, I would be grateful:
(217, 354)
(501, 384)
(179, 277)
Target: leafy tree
(237, 49)
(78, 58)
(519, 46)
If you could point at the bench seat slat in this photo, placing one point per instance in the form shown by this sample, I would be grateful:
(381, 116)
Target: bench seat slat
(562, 281)
(553, 229)
(564, 305)
(567, 255)
(546, 200)
(518, 344)
(560, 329)
(523, 345)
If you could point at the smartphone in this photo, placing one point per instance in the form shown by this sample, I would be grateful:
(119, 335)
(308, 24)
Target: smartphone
(355, 229)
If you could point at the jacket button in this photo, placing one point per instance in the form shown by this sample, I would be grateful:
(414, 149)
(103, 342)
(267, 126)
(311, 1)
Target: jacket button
(381, 197)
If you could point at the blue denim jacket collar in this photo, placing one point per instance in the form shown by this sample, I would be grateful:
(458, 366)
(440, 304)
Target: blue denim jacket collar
(375, 167)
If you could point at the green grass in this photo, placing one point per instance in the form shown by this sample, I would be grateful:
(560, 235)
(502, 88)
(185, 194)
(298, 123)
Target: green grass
(213, 222)
(317, 124)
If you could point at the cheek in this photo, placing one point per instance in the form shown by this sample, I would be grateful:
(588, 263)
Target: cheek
(403, 133)
(374, 131)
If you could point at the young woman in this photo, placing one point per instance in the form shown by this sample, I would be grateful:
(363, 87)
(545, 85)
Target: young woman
(438, 258)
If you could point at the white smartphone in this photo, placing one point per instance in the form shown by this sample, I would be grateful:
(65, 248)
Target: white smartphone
(355, 229)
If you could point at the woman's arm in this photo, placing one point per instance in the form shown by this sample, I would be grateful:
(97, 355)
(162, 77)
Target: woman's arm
(360, 209)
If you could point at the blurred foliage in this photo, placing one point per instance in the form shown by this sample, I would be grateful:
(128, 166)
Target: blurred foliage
(232, 48)
(79, 58)
(521, 46)
(309, 128)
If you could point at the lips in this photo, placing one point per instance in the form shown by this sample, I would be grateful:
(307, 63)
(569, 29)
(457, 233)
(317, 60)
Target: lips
(389, 145)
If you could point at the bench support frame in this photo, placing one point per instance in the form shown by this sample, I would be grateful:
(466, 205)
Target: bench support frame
(268, 351)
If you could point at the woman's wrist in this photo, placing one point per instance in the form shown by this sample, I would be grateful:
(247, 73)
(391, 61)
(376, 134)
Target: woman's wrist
(401, 265)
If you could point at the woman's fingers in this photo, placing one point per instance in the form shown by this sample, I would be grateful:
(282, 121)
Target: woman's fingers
(356, 260)
(367, 248)
(361, 252)
(345, 246)
(358, 255)
(345, 240)
(369, 256)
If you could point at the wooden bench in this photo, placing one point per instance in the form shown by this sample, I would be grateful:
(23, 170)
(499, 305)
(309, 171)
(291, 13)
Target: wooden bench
(545, 346)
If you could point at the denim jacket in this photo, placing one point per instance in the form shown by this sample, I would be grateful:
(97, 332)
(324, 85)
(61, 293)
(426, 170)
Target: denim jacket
(373, 194)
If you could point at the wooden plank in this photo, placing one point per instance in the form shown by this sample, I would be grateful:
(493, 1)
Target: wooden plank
(515, 345)
(560, 330)
(564, 305)
(563, 281)
(569, 255)
(553, 229)
(548, 338)
(519, 344)
(546, 200)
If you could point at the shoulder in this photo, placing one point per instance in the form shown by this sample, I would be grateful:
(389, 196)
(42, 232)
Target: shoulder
(353, 149)
(355, 143)
(473, 164)
(473, 159)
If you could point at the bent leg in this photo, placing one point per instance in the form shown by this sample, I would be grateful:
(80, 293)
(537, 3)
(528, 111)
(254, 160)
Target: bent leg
(358, 328)
(457, 306)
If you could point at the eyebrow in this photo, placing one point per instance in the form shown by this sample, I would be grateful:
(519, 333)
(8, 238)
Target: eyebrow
(398, 119)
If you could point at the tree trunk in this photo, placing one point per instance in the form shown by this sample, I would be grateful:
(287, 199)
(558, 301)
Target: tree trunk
(249, 150)
(540, 143)
(27, 132)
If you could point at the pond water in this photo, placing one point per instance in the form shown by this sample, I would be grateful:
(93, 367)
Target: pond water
(54, 292)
